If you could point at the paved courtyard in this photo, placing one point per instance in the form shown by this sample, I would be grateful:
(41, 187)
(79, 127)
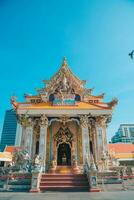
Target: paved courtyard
(123, 195)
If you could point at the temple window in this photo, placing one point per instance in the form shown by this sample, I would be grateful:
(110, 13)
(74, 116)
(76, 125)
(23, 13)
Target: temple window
(51, 97)
(37, 148)
(32, 100)
(77, 97)
(91, 147)
(96, 101)
(38, 101)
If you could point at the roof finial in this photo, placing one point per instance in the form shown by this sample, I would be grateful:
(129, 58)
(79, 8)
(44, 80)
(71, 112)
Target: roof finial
(64, 62)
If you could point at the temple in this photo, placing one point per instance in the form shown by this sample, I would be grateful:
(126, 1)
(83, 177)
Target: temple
(65, 124)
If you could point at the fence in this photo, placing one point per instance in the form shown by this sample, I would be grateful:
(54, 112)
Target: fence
(15, 182)
(116, 183)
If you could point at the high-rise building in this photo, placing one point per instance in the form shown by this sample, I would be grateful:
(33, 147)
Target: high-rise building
(125, 134)
(9, 129)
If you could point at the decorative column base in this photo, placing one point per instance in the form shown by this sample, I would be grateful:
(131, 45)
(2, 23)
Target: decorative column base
(76, 169)
(53, 167)
(52, 170)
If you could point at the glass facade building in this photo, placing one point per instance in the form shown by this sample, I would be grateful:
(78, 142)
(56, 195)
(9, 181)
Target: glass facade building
(9, 129)
(125, 134)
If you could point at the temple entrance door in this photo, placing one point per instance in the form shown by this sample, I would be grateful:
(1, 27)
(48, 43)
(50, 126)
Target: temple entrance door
(64, 154)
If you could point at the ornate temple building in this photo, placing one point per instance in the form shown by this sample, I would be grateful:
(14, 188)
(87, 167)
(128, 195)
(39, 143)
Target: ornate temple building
(65, 124)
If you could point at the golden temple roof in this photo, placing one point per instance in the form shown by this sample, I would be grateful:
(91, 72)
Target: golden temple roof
(65, 87)
(65, 69)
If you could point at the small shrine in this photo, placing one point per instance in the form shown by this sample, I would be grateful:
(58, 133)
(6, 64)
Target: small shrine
(64, 123)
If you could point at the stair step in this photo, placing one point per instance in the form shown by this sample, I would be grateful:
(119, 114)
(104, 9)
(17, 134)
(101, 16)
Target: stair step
(63, 178)
(67, 189)
(61, 184)
(63, 181)
(56, 174)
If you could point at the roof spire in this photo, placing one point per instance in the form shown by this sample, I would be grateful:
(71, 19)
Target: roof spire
(64, 64)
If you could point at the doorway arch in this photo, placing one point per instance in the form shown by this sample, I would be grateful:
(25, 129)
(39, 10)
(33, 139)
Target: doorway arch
(64, 154)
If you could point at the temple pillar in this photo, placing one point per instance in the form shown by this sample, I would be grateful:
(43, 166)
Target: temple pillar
(22, 124)
(23, 136)
(29, 139)
(43, 140)
(27, 132)
(85, 139)
(101, 141)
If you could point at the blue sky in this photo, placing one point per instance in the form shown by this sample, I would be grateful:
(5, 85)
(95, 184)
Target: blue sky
(95, 36)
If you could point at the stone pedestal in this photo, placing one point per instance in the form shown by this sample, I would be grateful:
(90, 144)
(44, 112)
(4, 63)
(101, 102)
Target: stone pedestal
(93, 182)
(35, 182)
(75, 168)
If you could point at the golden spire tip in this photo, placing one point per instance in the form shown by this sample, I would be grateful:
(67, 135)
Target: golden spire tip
(64, 62)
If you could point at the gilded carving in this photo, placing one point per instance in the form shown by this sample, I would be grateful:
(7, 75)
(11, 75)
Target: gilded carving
(25, 120)
(84, 121)
(43, 121)
(92, 131)
(63, 135)
(44, 96)
(36, 129)
(101, 120)
(64, 82)
(64, 119)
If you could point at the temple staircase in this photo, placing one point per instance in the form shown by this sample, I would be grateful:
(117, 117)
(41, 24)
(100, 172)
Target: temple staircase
(64, 180)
